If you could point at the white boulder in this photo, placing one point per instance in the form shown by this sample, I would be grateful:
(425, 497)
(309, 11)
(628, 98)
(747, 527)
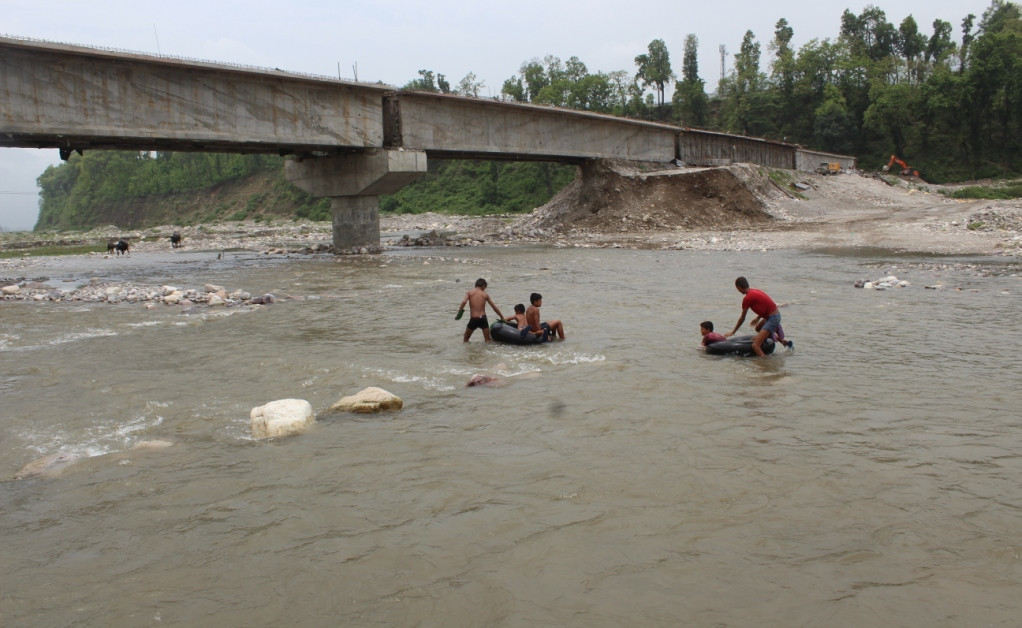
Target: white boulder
(47, 466)
(283, 417)
(152, 444)
(367, 401)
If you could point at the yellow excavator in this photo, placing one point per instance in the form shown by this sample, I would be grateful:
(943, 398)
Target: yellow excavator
(906, 170)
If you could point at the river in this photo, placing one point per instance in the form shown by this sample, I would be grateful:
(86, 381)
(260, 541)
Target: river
(622, 477)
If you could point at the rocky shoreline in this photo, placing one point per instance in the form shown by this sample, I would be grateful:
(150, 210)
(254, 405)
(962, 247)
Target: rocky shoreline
(24, 289)
(664, 211)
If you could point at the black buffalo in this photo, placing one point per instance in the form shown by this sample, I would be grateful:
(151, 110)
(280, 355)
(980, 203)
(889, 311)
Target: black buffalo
(121, 246)
(175, 239)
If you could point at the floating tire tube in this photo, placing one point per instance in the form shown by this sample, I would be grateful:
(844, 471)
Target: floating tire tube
(502, 332)
(739, 345)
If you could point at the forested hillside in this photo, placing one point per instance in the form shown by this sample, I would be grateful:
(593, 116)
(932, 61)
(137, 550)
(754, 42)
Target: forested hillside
(948, 103)
(131, 189)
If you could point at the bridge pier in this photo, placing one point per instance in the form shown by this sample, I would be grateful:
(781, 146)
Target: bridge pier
(354, 183)
(356, 221)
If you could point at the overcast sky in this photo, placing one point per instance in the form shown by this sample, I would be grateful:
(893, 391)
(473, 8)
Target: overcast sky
(391, 40)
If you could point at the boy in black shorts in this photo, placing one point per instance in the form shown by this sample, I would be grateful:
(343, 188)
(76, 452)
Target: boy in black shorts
(477, 300)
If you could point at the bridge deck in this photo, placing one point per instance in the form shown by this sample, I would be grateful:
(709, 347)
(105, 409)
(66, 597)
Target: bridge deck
(61, 96)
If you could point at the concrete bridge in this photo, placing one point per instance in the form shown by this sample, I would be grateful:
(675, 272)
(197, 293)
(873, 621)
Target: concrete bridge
(350, 141)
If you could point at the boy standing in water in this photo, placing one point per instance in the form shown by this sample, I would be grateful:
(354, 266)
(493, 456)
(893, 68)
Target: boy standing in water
(778, 334)
(763, 306)
(477, 300)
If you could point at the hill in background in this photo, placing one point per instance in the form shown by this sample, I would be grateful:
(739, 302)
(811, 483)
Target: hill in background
(135, 190)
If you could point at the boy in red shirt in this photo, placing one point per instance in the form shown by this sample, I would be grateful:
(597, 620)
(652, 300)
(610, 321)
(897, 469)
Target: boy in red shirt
(709, 336)
(764, 307)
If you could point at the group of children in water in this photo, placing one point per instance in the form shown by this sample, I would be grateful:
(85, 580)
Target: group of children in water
(767, 322)
(526, 319)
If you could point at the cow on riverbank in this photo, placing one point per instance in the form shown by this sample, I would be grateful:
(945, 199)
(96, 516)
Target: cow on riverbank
(119, 247)
(175, 239)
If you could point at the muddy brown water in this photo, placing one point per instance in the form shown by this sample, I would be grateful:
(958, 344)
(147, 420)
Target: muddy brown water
(622, 477)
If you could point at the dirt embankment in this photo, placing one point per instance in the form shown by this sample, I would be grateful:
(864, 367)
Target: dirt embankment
(742, 207)
(614, 198)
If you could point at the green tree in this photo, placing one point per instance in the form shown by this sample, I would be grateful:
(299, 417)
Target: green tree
(783, 65)
(911, 44)
(869, 34)
(891, 116)
(747, 72)
(593, 92)
(944, 137)
(690, 101)
(514, 90)
(940, 46)
(747, 108)
(1000, 16)
(783, 73)
(427, 82)
(967, 38)
(995, 82)
(535, 77)
(655, 68)
(833, 127)
(469, 86)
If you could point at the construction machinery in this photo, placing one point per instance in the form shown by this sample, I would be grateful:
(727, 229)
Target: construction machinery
(906, 170)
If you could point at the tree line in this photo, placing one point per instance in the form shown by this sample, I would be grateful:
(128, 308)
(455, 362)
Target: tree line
(949, 104)
(141, 189)
(87, 190)
(952, 106)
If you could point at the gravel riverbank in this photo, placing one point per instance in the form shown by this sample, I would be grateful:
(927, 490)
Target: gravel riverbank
(734, 208)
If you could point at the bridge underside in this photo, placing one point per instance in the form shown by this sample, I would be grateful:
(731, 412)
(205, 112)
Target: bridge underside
(81, 143)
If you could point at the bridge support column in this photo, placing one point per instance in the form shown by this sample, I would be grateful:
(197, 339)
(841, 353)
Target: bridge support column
(354, 183)
(356, 223)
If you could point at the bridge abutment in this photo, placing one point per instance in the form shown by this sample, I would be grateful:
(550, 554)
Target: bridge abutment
(354, 183)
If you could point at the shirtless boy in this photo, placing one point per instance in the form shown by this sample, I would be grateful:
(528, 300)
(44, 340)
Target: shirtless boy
(518, 318)
(477, 300)
(549, 329)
